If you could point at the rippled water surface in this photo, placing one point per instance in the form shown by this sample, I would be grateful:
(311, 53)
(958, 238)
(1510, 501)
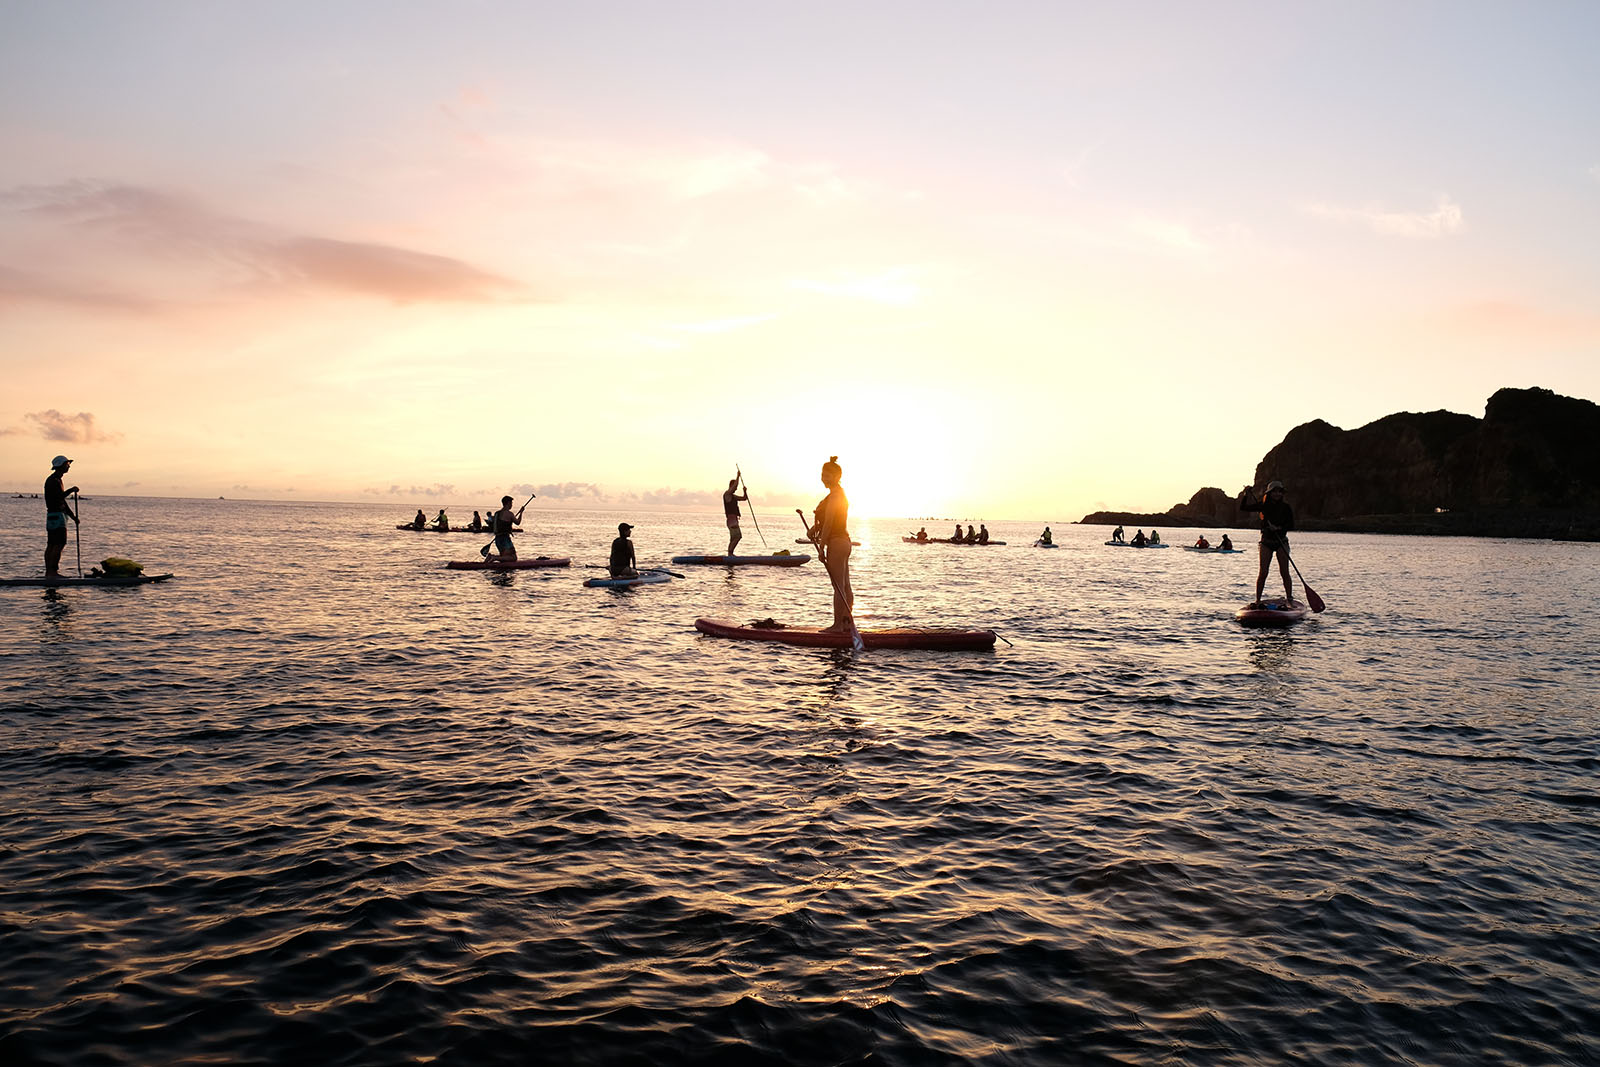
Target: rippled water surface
(318, 798)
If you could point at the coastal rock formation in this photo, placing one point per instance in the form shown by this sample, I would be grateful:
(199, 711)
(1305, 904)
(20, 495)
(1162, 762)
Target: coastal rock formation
(1529, 468)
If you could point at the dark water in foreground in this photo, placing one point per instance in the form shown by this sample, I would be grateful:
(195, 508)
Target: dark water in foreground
(319, 799)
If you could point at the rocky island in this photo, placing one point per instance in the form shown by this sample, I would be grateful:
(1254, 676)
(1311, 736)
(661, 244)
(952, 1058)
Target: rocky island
(1529, 468)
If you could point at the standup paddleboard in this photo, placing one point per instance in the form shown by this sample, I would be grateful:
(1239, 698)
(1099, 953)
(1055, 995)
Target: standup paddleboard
(1130, 544)
(644, 578)
(792, 559)
(1278, 612)
(1045, 544)
(511, 565)
(98, 579)
(1213, 551)
(932, 638)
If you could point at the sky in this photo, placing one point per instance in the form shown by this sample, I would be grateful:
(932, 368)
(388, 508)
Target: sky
(1006, 260)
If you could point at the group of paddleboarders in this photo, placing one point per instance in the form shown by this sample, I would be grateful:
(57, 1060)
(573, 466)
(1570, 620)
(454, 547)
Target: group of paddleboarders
(980, 536)
(1225, 546)
(441, 522)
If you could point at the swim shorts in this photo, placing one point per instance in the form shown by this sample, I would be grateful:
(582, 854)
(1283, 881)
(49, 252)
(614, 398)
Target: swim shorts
(502, 543)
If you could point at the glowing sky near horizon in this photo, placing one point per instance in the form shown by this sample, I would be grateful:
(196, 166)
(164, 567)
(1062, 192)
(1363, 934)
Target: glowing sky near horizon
(1014, 260)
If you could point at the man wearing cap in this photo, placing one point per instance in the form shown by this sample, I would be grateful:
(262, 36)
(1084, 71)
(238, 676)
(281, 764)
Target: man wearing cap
(56, 514)
(1277, 519)
(623, 565)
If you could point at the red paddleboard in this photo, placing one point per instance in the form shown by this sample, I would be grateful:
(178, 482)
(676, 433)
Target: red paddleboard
(1272, 613)
(514, 565)
(933, 638)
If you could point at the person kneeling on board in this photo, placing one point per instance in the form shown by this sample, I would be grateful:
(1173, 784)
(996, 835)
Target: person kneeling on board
(505, 550)
(623, 564)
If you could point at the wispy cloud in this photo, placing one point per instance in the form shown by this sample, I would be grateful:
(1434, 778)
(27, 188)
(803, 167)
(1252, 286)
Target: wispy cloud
(893, 286)
(562, 491)
(232, 251)
(78, 429)
(1445, 219)
(18, 287)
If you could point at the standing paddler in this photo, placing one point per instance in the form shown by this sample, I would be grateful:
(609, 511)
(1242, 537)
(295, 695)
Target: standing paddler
(56, 514)
(730, 508)
(832, 536)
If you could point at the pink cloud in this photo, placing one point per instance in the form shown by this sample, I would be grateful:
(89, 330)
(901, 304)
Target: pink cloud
(80, 429)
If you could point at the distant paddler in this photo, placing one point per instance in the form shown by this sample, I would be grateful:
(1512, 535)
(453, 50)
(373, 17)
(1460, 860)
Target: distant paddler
(505, 520)
(442, 523)
(420, 522)
(56, 514)
(730, 509)
(1046, 537)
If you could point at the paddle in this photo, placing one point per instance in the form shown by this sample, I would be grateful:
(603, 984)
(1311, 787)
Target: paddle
(753, 519)
(484, 551)
(77, 517)
(1311, 594)
(849, 616)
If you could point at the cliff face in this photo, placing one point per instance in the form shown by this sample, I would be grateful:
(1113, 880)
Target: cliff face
(1530, 467)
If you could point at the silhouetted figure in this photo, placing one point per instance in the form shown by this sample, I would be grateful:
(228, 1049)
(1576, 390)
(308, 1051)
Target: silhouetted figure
(420, 522)
(1116, 535)
(831, 533)
(1046, 537)
(730, 508)
(983, 534)
(1139, 539)
(623, 564)
(1276, 520)
(56, 514)
(505, 551)
(442, 523)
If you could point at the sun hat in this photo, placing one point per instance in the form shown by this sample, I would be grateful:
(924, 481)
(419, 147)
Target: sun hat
(60, 461)
(1274, 484)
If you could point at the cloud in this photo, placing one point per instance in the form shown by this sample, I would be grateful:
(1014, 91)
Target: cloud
(672, 498)
(561, 491)
(892, 286)
(437, 489)
(77, 429)
(18, 287)
(1445, 219)
(228, 250)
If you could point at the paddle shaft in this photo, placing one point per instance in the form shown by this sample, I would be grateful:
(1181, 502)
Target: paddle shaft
(822, 555)
(753, 518)
(77, 517)
(1312, 598)
(484, 551)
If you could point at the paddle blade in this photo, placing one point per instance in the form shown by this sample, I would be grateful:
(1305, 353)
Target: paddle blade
(1312, 598)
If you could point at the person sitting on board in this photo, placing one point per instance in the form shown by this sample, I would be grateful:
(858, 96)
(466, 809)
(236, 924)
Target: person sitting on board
(623, 564)
(476, 525)
(831, 533)
(505, 551)
(1046, 537)
(56, 514)
(1226, 545)
(1116, 535)
(1201, 542)
(442, 523)
(922, 533)
(957, 537)
(1139, 539)
(971, 538)
(1155, 538)
(983, 534)
(1277, 519)
(420, 522)
(730, 508)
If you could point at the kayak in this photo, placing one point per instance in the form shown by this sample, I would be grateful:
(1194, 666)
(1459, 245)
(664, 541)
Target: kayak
(803, 541)
(775, 560)
(950, 541)
(1130, 544)
(1272, 613)
(932, 638)
(643, 578)
(99, 579)
(454, 529)
(515, 565)
(1213, 550)
(1045, 544)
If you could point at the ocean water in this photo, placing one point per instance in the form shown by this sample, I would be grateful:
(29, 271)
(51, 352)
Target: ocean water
(319, 799)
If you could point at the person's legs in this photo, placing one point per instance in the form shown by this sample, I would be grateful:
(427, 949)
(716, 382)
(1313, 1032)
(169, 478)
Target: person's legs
(844, 597)
(1266, 565)
(1283, 568)
(735, 535)
(55, 539)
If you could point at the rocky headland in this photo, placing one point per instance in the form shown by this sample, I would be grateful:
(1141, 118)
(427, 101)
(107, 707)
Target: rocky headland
(1529, 468)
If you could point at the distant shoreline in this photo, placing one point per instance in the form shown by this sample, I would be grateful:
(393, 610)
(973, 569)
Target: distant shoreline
(1526, 525)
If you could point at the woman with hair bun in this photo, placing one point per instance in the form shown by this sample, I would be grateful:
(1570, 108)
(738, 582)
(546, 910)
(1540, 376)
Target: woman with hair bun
(831, 533)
